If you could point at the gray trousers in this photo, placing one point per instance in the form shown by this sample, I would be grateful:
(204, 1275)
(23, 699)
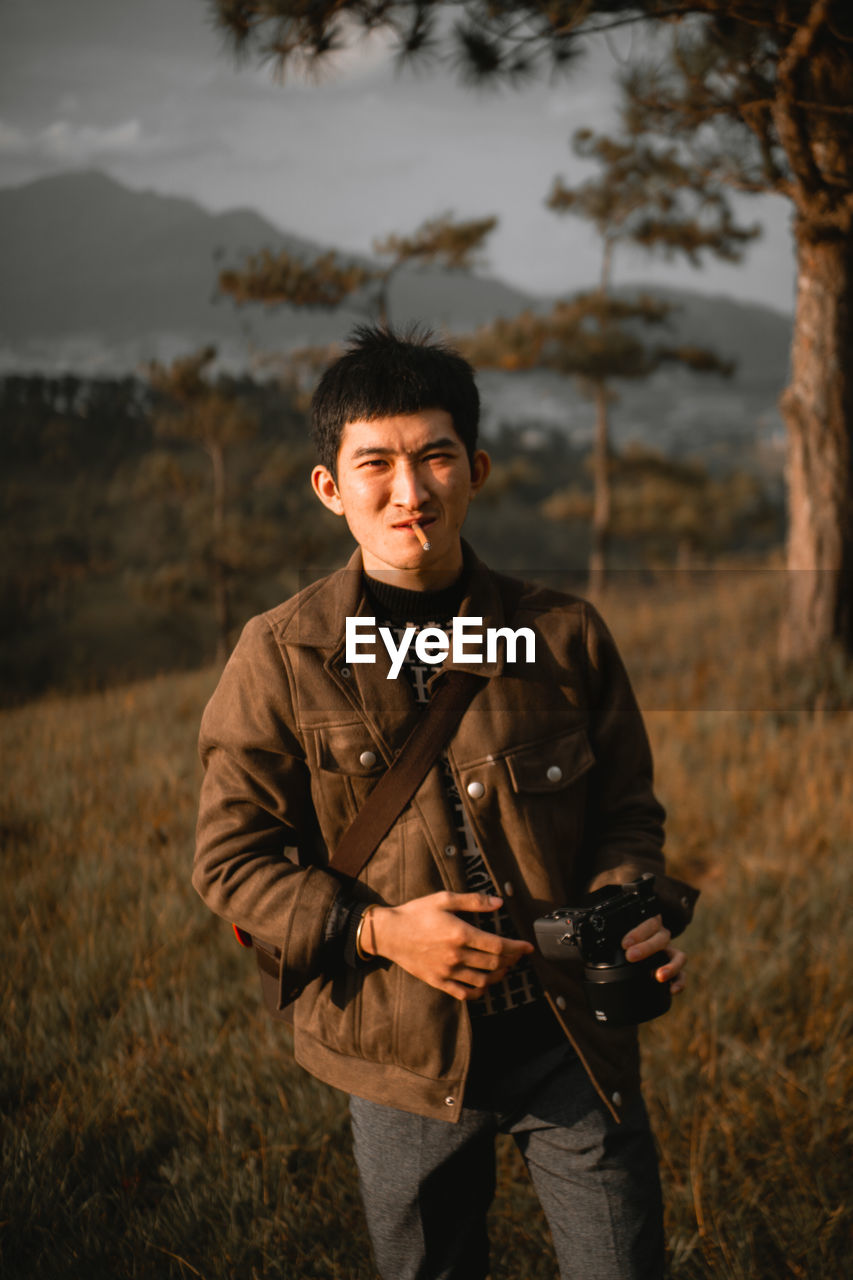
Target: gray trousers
(427, 1184)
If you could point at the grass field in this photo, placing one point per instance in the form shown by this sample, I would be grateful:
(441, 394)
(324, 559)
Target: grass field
(153, 1124)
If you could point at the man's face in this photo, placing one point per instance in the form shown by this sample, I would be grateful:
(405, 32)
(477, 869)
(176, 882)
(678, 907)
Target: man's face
(396, 472)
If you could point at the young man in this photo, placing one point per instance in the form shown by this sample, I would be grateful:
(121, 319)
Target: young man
(418, 988)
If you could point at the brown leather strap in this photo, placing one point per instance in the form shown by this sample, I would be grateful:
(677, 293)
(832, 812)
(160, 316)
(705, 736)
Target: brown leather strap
(393, 791)
(395, 788)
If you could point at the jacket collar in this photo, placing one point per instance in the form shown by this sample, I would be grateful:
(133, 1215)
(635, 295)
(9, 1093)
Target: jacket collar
(319, 621)
(387, 706)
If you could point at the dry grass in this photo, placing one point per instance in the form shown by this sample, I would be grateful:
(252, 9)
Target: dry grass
(153, 1123)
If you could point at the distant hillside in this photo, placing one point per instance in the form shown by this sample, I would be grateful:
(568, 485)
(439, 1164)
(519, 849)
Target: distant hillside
(83, 253)
(96, 278)
(728, 421)
(88, 263)
(102, 274)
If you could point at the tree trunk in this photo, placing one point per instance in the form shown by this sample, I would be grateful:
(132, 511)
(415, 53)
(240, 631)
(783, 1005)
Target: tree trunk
(221, 593)
(818, 410)
(222, 606)
(601, 502)
(217, 460)
(601, 494)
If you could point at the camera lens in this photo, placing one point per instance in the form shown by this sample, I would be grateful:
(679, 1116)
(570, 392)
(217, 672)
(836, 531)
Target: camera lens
(624, 994)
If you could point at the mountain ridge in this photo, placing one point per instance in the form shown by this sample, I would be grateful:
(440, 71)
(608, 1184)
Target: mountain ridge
(110, 275)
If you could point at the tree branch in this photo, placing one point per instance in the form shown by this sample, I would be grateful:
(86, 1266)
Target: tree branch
(789, 118)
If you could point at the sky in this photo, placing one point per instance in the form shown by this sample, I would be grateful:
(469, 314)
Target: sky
(146, 91)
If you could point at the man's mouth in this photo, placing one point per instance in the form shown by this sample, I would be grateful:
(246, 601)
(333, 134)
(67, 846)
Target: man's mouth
(425, 522)
(419, 528)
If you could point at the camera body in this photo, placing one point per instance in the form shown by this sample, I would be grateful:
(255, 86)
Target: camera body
(619, 992)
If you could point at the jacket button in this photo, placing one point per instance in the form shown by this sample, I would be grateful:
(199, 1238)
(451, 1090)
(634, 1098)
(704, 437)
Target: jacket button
(475, 790)
(554, 774)
(368, 759)
(509, 888)
(449, 1101)
(560, 1002)
(346, 673)
(450, 850)
(616, 1099)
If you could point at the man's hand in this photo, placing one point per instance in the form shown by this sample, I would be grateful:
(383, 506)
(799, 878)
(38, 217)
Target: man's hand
(651, 936)
(427, 938)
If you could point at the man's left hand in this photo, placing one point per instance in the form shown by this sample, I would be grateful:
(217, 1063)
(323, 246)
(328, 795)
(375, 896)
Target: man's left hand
(649, 937)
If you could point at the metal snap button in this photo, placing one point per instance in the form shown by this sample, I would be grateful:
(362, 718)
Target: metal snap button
(368, 759)
(554, 773)
(476, 790)
(616, 1099)
(509, 888)
(560, 1002)
(346, 673)
(449, 1101)
(450, 850)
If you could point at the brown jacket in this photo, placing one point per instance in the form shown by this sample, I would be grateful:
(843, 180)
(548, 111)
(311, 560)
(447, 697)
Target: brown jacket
(294, 739)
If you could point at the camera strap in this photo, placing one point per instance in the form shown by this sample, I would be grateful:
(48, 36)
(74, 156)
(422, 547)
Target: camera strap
(396, 787)
(419, 752)
(394, 790)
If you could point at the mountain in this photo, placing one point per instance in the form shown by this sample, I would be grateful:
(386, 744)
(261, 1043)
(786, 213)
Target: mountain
(88, 264)
(98, 278)
(81, 252)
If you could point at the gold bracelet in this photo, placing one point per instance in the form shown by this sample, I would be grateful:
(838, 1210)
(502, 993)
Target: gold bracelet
(363, 955)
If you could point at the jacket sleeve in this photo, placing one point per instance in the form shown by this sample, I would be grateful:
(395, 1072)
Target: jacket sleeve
(256, 822)
(625, 832)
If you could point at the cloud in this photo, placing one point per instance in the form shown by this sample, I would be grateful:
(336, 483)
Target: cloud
(68, 103)
(13, 142)
(80, 143)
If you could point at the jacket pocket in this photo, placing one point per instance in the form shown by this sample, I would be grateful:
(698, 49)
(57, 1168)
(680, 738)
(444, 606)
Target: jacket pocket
(548, 782)
(348, 749)
(345, 768)
(552, 765)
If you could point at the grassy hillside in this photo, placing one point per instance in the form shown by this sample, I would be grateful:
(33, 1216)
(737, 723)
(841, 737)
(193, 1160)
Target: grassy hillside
(153, 1122)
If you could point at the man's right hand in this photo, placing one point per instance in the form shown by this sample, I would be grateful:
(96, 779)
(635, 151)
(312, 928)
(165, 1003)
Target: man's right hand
(427, 938)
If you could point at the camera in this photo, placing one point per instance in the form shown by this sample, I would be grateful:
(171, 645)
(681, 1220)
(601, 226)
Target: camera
(618, 991)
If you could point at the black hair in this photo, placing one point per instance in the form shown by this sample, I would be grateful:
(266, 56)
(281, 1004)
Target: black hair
(383, 374)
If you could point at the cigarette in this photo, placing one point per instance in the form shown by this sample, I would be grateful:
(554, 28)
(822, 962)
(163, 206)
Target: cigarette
(421, 537)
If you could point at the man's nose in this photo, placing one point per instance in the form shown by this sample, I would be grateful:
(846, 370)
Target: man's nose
(409, 489)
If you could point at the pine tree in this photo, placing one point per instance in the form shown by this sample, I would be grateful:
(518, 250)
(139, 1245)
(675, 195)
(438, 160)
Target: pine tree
(596, 339)
(671, 507)
(195, 409)
(763, 92)
(646, 195)
(437, 242)
(327, 281)
(276, 278)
